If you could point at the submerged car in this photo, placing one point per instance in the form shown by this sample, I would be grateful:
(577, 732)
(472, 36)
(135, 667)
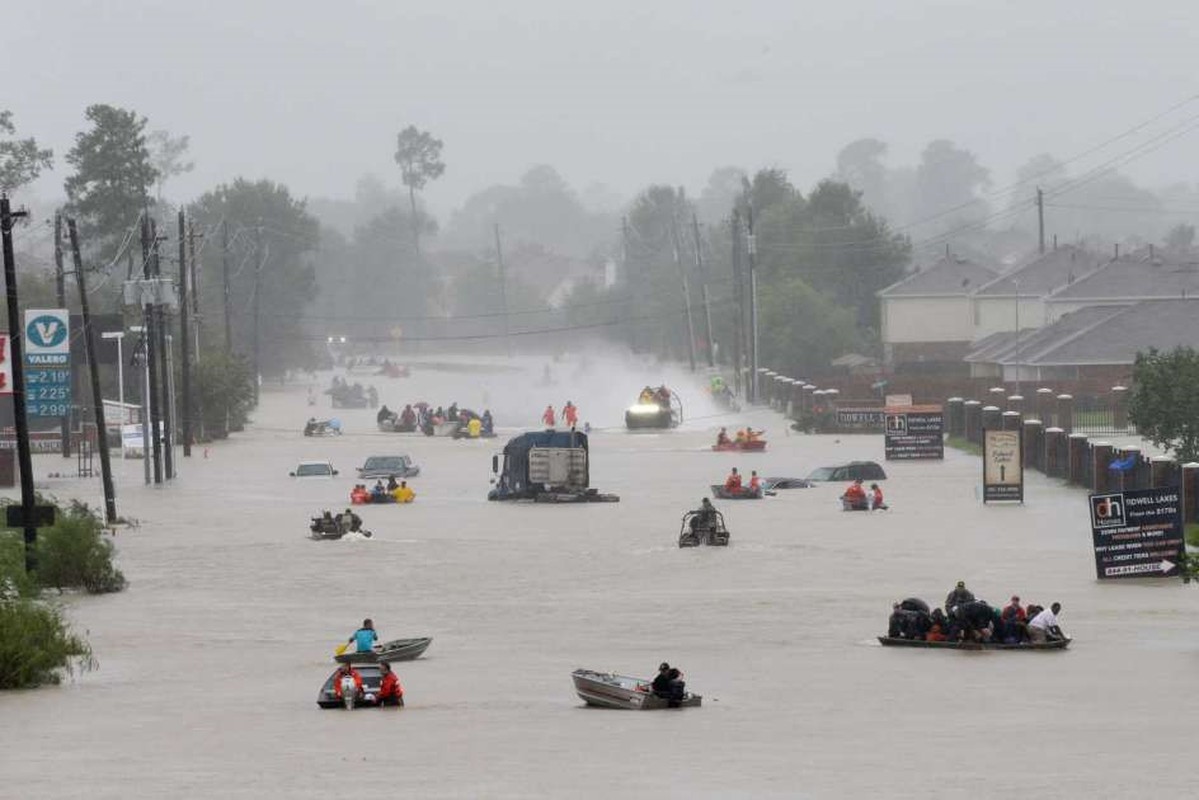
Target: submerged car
(385, 466)
(866, 470)
(314, 469)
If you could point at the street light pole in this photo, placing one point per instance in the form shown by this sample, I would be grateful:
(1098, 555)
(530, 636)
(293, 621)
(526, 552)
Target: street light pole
(119, 336)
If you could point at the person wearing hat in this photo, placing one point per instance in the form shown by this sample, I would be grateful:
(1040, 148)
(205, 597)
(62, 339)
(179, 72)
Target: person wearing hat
(958, 596)
(661, 683)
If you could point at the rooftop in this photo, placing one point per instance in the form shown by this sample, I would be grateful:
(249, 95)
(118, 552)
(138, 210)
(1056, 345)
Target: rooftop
(1136, 278)
(1044, 273)
(948, 276)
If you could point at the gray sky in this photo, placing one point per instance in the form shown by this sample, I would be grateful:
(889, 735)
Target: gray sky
(622, 93)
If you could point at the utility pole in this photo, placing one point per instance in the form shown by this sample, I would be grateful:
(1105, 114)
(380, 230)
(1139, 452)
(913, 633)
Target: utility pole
(151, 352)
(60, 289)
(739, 294)
(499, 258)
(753, 305)
(703, 276)
(93, 368)
(260, 257)
(185, 338)
(164, 362)
(225, 272)
(1041, 219)
(678, 262)
(197, 413)
(20, 422)
(632, 328)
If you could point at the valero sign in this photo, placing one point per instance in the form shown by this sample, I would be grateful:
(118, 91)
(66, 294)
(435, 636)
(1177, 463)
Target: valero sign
(47, 362)
(1003, 466)
(1138, 534)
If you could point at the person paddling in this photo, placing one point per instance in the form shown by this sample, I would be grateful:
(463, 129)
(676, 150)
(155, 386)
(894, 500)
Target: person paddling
(365, 637)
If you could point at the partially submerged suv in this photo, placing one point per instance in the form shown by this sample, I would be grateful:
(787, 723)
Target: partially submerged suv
(379, 467)
(866, 470)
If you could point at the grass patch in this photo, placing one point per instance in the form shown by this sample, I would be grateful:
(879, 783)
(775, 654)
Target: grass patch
(1191, 532)
(37, 645)
(964, 444)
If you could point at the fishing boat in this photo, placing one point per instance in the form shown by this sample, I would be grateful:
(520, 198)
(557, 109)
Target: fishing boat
(721, 493)
(396, 650)
(753, 446)
(609, 690)
(889, 641)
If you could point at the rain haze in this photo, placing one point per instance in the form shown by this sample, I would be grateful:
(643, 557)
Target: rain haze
(572, 272)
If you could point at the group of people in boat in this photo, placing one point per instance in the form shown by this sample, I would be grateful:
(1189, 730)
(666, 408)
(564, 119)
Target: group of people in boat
(392, 491)
(966, 618)
(425, 418)
(391, 691)
(655, 397)
(348, 522)
(741, 437)
(669, 684)
(352, 395)
(570, 415)
(733, 484)
(858, 498)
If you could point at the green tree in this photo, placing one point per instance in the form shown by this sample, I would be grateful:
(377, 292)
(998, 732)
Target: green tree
(419, 155)
(948, 182)
(802, 329)
(113, 174)
(168, 154)
(1165, 400)
(225, 389)
(21, 160)
(273, 241)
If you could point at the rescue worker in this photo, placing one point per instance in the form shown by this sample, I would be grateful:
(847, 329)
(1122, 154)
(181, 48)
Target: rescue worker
(404, 493)
(855, 495)
(347, 669)
(570, 414)
(755, 483)
(741, 438)
(391, 693)
(548, 417)
(359, 495)
(722, 438)
(474, 428)
(957, 596)
(876, 497)
(732, 483)
(364, 638)
(646, 397)
(488, 423)
(384, 413)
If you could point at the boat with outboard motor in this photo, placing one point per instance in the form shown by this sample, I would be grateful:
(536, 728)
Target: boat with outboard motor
(711, 531)
(721, 492)
(372, 677)
(609, 690)
(395, 650)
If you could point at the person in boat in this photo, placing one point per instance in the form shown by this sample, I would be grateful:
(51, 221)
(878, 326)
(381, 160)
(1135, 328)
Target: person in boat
(937, 627)
(403, 493)
(876, 497)
(974, 620)
(646, 397)
(741, 437)
(391, 693)
(474, 428)
(855, 495)
(347, 670)
(669, 684)
(752, 436)
(704, 517)
(384, 414)
(488, 422)
(392, 485)
(365, 637)
(452, 411)
(408, 416)
(957, 596)
(722, 438)
(547, 417)
(378, 492)
(570, 414)
(755, 483)
(351, 521)
(1044, 627)
(359, 495)
(732, 484)
(439, 416)
(663, 396)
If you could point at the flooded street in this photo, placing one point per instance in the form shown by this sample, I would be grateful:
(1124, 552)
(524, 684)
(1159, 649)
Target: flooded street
(210, 662)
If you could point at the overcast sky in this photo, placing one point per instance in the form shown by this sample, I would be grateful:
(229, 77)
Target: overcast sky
(622, 93)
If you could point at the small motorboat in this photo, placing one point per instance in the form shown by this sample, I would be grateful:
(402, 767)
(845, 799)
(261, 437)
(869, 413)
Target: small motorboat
(721, 493)
(713, 533)
(323, 529)
(322, 427)
(609, 690)
(371, 675)
(895, 641)
(850, 505)
(395, 650)
(748, 446)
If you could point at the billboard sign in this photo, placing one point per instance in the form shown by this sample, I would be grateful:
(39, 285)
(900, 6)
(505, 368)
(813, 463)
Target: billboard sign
(1138, 534)
(1003, 466)
(913, 432)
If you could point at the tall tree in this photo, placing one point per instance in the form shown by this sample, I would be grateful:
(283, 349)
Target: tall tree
(1165, 400)
(113, 174)
(168, 155)
(419, 155)
(948, 182)
(21, 160)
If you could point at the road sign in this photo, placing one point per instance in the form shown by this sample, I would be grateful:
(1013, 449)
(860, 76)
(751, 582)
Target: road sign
(1003, 466)
(47, 362)
(1138, 534)
(43, 516)
(913, 432)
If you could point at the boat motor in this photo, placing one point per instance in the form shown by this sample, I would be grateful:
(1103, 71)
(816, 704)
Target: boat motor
(349, 691)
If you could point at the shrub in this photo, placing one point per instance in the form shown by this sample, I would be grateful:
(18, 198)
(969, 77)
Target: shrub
(73, 554)
(36, 645)
(14, 582)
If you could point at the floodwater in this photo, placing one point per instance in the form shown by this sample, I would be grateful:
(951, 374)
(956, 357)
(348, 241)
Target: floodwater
(210, 662)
